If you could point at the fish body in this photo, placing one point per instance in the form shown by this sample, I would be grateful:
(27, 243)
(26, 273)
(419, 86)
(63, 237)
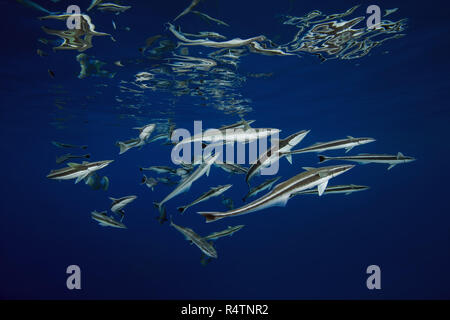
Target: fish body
(160, 169)
(276, 152)
(206, 247)
(106, 221)
(146, 131)
(149, 182)
(211, 193)
(66, 145)
(281, 193)
(127, 145)
(232, 168)
(345, 189)
(78, 171)
(227, 232)
(117, 205)
(364, 158)
(348, 144)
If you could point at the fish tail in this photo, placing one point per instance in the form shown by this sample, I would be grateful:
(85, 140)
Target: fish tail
(181, 209)
(323, 158)
(122, 147)
(210, 216)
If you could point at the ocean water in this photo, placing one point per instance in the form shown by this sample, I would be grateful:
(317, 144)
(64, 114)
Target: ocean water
(313, 248)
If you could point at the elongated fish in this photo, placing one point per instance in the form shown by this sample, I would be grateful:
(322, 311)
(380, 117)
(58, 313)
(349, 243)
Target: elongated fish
(117, 205)
(66, 145)
(188, 9)
(348, 144)
(205, 16)
(185, 184)
(266, 185)
(160, 169)
(232, 168)
(162, 215)
(346, 189)
(206, 247)
(363, 158)
(145, 131)
(240, 124)
(112, 7)
(68, 156)
(106, 221)
(211, 193)
(281, 193)
(227, 232)
(78, 171)
(276, 152)
(36, 6)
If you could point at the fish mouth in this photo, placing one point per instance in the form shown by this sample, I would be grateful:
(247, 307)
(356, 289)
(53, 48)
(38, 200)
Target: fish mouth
(342, 169)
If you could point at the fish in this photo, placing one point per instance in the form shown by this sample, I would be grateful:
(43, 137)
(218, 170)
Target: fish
(93, 4)
(206, 34)
(166, 181)
(162, 215)
(188, 9)
(36, 6)
(68, 156)
(160, 169)
(96, 183)
(66, 145)
(145, 131)
(106, 221)
(112, 7)
(266, 185)
(228, 202)
(281, 193)
(78, 171)
(364, 158)
(348, 144)
(127, 145)
(276, 152)
(346, 189)
(186, 183)
(227, 232)
(206, 247)
(238, 125)
(117, 205)
(161, 136)
(257, 48)
(211, 193)
(232, 168)
(149, 182)
(205, 16)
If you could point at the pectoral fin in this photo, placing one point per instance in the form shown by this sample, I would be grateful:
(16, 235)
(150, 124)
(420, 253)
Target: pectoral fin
(207, 171)
(391, 166)
(289, 158)
(348, 149)
(321, 187)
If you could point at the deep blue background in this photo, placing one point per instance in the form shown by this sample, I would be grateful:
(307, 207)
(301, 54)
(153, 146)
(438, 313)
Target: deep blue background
(312, 248)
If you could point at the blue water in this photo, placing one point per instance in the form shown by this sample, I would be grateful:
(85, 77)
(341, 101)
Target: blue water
(314, 248)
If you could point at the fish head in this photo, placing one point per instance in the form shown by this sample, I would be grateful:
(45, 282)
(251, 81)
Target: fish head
(296, 138)
(408, 159)
(338, 170)
(365, 140)
(101, 164)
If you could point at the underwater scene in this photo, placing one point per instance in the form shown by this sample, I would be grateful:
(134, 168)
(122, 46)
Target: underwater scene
(209, 149)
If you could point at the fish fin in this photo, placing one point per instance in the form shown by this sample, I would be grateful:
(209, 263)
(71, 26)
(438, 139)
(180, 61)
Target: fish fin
(138, 128)
(81, 178)
(350, 137)
(181, 209)
(399, 155)
(207, 171)
(204, 145)
(347, 193)
(391, 166)
(73, 164)
(323, 158)
(307, 168)
(112, 199)
(144, 179)
(289, 158)
(157, 205)
(348, 149)
(123, 147)
(321, 187)
(210, 216)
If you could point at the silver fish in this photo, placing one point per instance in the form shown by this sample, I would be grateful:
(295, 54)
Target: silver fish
(364, 158)
(211, 193)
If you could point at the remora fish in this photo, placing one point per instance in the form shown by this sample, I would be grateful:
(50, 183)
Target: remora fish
(346, 189)
(276, 152)
(146, 131)
(66, 145)
(266, 185)
(68, 156)
(347, 144)
(364, 158)
(127, 145)
(118, 204)
(112, 7)
(106, 221)
(282, 192)
(149, 182)
(227, 232)
(194, 238)
(160, 169)
(188, 9)
(211, 193)
(185, 184)
(232, 168)
(77, 171)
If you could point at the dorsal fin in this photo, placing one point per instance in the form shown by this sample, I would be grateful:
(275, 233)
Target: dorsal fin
(73, 164)
(399, 155)
(350, 137)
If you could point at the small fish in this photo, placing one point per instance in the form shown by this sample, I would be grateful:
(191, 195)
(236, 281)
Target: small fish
(188, 9)
(66, 145)
(145, 131)
(106, 221)
(160, 169)
(364, 158)
(149, 182)
(118, 204)
(232, 168)
(93, 4)
(78, 171)
(227, 232)
(162, 215)
(205, 16)
(112, 7)
(211, 193)
(348, 144)
(34, 5)
(266, 185)
(346, 189)
(68, 156)
(205, 246)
